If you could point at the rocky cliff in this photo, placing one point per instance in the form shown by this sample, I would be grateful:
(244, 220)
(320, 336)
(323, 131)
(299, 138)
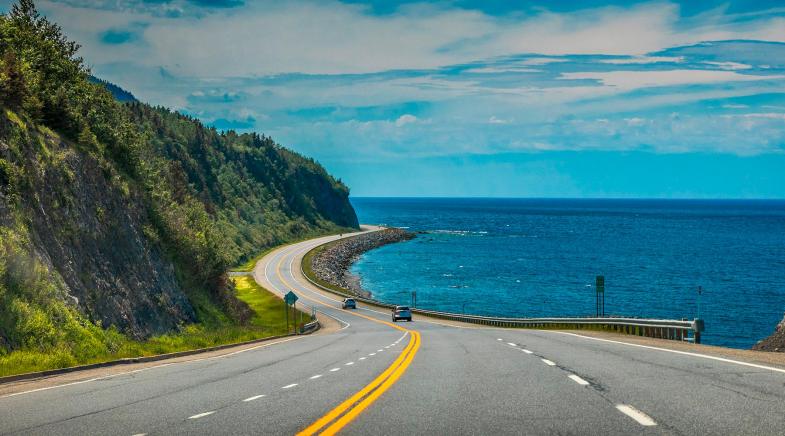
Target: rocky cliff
(125, 216)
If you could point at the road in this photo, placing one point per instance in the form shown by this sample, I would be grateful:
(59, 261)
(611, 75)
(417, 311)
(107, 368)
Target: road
(375, 377)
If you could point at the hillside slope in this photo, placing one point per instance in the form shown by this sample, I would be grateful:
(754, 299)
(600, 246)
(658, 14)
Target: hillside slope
(125, 216)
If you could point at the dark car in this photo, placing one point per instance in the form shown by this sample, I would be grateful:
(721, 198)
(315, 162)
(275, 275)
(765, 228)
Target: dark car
(349, 303)
(401, 312)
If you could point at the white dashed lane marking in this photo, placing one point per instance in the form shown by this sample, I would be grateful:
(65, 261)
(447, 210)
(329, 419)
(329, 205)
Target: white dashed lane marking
(578, 380)
(510, 344)
(289, 386)
(201, 415)
(548, 362)
(372, 354)
(315, 376)
(253, 398)
(349, 363)
(335, 369)
(526, 351)
(640, 417)
(362, 358)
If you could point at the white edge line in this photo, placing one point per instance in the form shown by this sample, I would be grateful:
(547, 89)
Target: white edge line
(685, 353)
(640, 417)
(149, 368)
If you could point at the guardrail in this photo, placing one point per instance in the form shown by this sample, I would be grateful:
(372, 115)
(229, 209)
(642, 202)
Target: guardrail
(679, 330)
(307, 328)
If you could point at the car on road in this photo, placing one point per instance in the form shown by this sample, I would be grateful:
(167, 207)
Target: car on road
(349, 303)
(401, 312)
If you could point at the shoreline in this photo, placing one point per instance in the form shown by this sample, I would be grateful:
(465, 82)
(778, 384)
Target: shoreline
(332, 264)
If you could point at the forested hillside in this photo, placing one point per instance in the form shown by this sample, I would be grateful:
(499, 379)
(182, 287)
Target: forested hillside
(123, 217)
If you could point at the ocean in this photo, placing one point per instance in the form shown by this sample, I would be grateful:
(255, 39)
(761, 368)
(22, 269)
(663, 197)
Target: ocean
(540, 257)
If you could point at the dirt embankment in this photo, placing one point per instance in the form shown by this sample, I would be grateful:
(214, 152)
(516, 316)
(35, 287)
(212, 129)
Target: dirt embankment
(332, 264)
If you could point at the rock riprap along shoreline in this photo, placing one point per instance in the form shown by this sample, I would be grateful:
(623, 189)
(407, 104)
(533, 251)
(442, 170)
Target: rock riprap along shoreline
(775, 342)
(332, 263)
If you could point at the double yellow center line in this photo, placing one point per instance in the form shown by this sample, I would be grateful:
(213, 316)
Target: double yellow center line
(344, 413)
(336, 419)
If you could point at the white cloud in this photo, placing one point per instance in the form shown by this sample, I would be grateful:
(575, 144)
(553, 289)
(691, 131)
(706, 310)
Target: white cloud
(405, 119)
(644, 79)
(333, 37)
(729, 65)
(767, 115)
(494, 120)
(635, 121)
(542, 61)
(644, 60)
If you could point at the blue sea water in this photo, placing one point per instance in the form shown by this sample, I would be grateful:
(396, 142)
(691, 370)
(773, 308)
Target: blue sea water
(539, 257)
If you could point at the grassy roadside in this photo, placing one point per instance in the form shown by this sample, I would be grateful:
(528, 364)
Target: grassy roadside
(268, 320)
(249, 265)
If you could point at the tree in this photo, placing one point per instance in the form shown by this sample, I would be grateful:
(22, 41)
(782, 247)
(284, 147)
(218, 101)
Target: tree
(12, 83)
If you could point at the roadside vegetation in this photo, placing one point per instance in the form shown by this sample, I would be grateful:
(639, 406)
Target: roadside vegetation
(99, 345)
(249, 265)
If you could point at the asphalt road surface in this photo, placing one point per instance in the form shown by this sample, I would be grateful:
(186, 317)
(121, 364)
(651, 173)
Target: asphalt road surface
(423, 377)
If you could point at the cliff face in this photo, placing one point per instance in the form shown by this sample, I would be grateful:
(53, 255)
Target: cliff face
(775, 342)
(90, 234)
(125, 215)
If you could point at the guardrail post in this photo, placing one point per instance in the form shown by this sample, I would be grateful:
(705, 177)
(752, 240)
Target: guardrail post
(697, 328)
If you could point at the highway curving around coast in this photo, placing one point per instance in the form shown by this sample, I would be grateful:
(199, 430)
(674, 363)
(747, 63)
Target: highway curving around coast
(370, 376)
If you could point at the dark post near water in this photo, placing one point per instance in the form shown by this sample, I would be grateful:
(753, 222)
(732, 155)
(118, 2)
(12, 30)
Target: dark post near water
(600, 295)
(414, 298)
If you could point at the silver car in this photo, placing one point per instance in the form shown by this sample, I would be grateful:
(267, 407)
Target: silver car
(401, 312)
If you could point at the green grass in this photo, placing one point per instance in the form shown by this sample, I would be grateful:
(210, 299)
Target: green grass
(105, 345)
(250, 264)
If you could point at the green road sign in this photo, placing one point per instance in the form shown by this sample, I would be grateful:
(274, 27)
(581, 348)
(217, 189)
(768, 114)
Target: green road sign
(290, 298)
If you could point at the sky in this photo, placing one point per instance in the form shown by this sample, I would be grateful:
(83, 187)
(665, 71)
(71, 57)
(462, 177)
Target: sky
(502, 98)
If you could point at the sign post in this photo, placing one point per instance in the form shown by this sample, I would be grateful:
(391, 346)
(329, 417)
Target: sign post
(600, 297)
(290, 299)
(414, 298)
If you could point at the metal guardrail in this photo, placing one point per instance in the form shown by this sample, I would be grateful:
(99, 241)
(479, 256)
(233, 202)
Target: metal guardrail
(306, 328)
(679, 330)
